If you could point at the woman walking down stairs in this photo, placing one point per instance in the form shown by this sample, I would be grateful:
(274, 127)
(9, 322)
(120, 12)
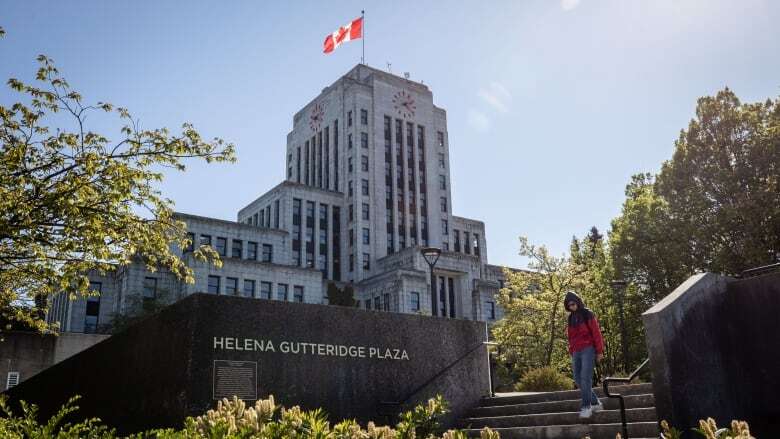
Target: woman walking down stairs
(555, 415)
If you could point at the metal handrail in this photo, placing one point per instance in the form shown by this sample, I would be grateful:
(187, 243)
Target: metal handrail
(760, 270)
(404, 400)
(619, 396)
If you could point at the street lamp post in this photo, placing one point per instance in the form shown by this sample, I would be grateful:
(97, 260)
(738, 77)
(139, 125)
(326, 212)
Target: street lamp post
(619, 288)
(431, 255)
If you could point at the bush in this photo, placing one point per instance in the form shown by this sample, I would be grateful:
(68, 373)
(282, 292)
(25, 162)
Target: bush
(544, 379)
(233, 419)
(709, 430)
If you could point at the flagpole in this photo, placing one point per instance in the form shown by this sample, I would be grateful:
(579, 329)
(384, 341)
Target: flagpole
(363, 19)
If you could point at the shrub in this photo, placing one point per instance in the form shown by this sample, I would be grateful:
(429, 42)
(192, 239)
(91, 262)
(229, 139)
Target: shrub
(709, 430)
(544, 379)
(27, 426)
(233, 419)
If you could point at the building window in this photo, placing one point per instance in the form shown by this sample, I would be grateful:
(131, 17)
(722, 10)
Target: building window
(205, 239)
(364, 140)
(363, 117)
(445, 246)
(366, 236)
(298, 293)
(11, 380)
(249, 288)
(351, 239)
(377, 303)
(350, 188)
(443, 203)
(352, 262)
(251, 251)
(364, 187)
(349, 165)
(476, 244)
(386, 302)
(440, 139)
(366, 261)
(349, 140)
(414, 301)
(150, 288)
(364, 163)
(191, 246)
(213, 287)
(441, 160)
(276, 213)
(445, 228)
(222, 246)
(365, 211)
(265, 290)
(466, 243)
(368, 303)
(268, 251)
(281, 292)
(490, 310)
(93, 308)
(349, 118)
(237, 249)
(231, 286)
(443, 182)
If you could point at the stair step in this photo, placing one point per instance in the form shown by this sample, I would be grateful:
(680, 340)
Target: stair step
(564, 418)
(630, 389)
(631, 401)
(595, 431)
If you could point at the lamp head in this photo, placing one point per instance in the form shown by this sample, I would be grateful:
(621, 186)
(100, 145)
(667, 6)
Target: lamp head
(431, 254)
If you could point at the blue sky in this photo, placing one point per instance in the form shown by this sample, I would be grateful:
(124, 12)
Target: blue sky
(552, 104)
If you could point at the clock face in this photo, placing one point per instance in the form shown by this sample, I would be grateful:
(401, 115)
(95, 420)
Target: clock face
(403, 103)
(316, 117)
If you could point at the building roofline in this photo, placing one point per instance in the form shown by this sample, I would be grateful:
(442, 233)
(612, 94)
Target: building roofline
(292, 184)
(182, 215)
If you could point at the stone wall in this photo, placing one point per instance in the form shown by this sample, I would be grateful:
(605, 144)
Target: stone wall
(165, 368)
(29, 353)
(713, 352)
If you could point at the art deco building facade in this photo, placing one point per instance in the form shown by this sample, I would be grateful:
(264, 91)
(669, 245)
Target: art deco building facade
(367, 185)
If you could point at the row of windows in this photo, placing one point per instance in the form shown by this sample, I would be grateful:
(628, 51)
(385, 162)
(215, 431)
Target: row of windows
(249, 289)
(220, 244)
(469, 241)
(363, 117)
(262, 218)
(316, 159)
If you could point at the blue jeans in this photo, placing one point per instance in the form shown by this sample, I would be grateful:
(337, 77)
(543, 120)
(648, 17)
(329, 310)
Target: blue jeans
(582, 363)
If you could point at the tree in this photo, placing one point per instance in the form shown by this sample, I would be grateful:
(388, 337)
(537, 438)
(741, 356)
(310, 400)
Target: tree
(71, 200)
(723, 183)
(532, 332)
(648, 249)
(715, 206)
(341, 297)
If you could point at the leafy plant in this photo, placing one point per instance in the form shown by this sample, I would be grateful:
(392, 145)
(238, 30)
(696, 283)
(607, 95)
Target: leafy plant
(544, 379)
(26, 426)
(234, 419)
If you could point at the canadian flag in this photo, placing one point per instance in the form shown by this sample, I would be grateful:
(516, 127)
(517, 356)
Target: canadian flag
(349, 32)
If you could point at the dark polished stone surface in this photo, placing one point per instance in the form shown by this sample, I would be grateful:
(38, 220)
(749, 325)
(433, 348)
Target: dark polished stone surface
(714, 353)
(163, 369)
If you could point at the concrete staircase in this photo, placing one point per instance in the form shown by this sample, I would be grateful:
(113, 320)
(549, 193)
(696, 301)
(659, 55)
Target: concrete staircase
(555, 415)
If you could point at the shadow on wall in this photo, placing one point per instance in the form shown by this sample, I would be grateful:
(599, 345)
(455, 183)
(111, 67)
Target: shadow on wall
(714, 352)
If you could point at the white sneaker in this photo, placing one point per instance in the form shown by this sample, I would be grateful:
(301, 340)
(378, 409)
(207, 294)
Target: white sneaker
(597, 407)
(586, 413)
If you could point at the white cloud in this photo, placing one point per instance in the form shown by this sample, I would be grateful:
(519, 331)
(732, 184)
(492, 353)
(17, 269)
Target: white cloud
(497, 96)
(568, 5)
(478, 120)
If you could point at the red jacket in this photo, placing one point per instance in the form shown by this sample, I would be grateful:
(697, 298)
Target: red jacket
(585, 333)
(583, 328)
